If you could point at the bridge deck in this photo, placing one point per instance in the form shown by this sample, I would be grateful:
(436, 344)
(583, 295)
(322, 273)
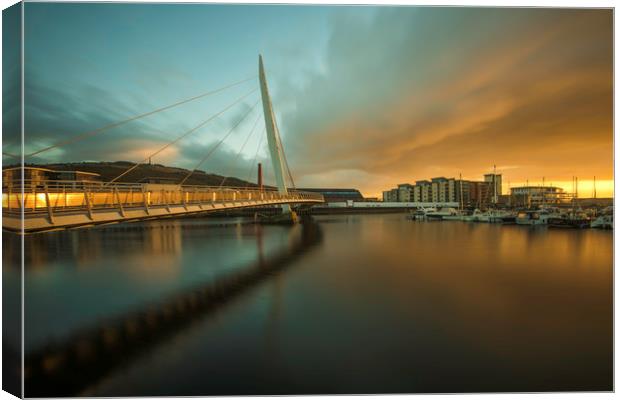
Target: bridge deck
(51, 205)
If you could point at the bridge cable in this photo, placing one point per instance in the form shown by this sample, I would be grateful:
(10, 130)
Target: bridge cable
(219, 143)
(87, 134)
(252, 131)
(256, 155)
(288, 169)
(187, 133)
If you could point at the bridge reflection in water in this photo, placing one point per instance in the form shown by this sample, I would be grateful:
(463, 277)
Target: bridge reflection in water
(75, 361)
(52, 205)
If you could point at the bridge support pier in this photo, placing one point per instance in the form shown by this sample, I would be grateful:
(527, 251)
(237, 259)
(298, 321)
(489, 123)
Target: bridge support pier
(285, 218)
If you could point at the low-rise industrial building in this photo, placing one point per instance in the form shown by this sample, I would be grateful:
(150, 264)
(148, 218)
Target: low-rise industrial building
(336, 195)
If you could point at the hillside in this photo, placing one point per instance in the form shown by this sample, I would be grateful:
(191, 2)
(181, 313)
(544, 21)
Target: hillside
(110, 170)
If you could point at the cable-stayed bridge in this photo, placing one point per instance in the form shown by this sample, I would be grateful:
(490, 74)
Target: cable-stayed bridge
(31, 204)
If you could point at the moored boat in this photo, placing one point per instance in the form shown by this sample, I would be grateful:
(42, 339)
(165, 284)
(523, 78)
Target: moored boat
(575, 219)
(453, 214)
(533, 217)
(441, 213)
(476, 216)
(494, 216)
(568, 222)
(605, 220)
(509, 219)
(421, 213)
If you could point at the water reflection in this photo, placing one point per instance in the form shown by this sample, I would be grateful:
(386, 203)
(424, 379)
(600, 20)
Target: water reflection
(74, 278)
(65, 367)
(390, 305)
(381, 305)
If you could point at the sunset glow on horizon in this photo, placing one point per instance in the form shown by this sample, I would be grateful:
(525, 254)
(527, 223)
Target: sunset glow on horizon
(365, 97)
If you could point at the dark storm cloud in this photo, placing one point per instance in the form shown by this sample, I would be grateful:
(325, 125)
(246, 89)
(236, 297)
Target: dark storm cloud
(54, 114)
(11, 77)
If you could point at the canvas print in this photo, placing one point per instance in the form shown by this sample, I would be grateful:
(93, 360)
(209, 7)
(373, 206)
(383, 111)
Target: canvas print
(233, 199)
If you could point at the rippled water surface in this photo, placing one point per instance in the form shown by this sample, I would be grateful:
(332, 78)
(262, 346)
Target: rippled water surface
(381, 304)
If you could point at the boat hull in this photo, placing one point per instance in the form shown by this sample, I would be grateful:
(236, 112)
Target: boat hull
(566, 223)
(604, 222)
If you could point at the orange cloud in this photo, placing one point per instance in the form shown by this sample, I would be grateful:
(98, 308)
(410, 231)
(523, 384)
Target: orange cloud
(536, 97)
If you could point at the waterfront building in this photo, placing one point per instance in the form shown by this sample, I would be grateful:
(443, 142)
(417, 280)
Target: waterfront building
(390, 195)
(449, 190)
(481, 194)
(37, 176)
(438, 189)
(533, 196)
(422, 192)
(404, 193)
(494, 180)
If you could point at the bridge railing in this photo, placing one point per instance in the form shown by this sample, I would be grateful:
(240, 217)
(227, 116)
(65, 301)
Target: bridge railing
(50, 196)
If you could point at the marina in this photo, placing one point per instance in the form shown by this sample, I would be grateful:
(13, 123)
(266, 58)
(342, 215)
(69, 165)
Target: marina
(377, 273)
(551, 217)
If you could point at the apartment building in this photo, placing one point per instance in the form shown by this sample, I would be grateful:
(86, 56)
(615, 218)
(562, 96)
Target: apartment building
(442, 189)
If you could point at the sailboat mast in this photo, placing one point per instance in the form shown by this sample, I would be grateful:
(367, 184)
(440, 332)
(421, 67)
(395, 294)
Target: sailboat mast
(461, 189)
(576, 188)
(544, 193)
(576, 195)
(494, 186)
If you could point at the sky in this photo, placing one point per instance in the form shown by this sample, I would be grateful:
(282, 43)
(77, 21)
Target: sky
(365, 97)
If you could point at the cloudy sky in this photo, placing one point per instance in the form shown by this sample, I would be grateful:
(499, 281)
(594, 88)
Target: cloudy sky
(366, 97)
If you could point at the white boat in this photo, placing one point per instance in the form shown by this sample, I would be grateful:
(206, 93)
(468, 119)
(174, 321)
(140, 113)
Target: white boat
(534, 217)
(441, 213)
(458, 215)
(493, 216)
(421, 213)
(605, 220)
(473, 217)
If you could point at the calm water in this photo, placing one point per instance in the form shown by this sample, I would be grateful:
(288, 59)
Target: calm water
(381, 304)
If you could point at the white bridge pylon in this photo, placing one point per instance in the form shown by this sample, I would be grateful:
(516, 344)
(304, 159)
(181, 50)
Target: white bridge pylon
(273, 136)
